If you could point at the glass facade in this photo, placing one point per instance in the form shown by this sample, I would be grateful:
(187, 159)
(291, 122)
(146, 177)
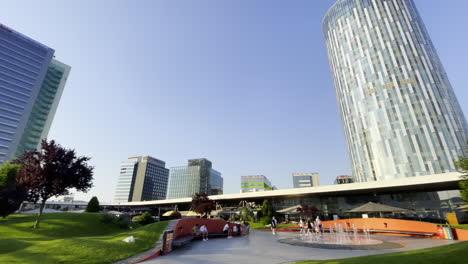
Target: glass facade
(401, 117)
(255, 183)
(44, 107)
(197, 177)
(126, 181)
(142, 178)
(23, 65)
(301, 180)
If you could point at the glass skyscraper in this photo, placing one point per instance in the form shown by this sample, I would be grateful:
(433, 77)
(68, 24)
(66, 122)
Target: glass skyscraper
(23, 65)
(401, 117)
(197, 177)
(141, 178)
(45, 106)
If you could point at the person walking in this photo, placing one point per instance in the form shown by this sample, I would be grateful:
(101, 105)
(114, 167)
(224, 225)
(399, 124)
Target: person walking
(227, 230)
(204, 231)
(247, 228)
(274, 224)
(301, 226)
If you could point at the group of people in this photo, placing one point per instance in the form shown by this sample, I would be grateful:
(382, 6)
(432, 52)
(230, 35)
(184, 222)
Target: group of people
(310, 226)
(200, 230)
(228, 229)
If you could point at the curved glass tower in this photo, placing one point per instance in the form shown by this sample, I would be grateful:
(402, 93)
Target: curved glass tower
(400, 115)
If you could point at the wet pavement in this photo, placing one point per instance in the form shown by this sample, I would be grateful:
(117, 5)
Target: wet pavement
(261, 247)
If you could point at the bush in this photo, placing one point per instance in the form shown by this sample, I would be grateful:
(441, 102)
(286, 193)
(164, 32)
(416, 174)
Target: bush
(145, 219)
(107, 218)
(266, 220)
(93, 205)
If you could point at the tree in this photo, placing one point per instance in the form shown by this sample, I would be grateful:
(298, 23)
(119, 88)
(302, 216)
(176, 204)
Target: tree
(307, 211)
(11, 193)
(145, 219)
(202, 204)
(267, 208)
(462, 164)
(93, 205)
(53, 171)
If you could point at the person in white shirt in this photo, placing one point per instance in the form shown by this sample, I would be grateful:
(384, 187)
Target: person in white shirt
(301, 226)
(234, 229)
(204, 232)
(226, 230)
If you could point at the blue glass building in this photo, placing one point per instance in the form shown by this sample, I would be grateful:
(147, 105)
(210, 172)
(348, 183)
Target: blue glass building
(142, 178)
(197, 177)
(24, 64)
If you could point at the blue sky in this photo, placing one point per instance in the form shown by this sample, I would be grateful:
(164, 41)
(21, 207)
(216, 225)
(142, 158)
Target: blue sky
(243, 83)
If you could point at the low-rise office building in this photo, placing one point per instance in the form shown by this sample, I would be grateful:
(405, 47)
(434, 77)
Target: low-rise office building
(343, 179)
(255, 183)
(301, 180)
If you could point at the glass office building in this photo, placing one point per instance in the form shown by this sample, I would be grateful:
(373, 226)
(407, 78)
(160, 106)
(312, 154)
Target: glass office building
(23, 66)
(197, 177)
(401, 117)
(301, 180)
(142, 178)
(45, 106)
(255, 183)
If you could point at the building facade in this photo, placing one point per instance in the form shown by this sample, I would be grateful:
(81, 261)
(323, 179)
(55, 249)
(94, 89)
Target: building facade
(197, 177)
(400, 115)
(343, 179)
(23, 65)
(255, 183)
(301, 180)
(142, 178)
(45, 106)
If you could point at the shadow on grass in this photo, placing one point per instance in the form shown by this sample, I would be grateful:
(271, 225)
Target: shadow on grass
(10, 245)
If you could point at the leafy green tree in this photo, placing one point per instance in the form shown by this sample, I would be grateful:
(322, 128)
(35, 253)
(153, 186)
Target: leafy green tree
(462, 164)
(11, 193)
(93, 205)
(52, 171)
(247, 214)
(145, 219)
(267, 208)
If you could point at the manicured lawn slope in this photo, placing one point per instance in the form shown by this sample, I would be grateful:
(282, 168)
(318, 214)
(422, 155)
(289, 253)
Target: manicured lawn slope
(71, 238)
(460, 226)
(456, 253)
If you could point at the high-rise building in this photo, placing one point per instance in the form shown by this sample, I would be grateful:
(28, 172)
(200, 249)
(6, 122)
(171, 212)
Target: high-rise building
(401, 117)
(142, 178)
(197, 177)
(45, 106)
(255, 183)
(23, 65)
(301, 180)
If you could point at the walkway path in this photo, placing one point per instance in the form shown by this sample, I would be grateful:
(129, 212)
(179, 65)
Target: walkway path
(261, 247)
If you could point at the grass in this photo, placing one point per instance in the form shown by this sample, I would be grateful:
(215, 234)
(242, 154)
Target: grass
(262, 226)
(71, 238)
(455, 253)
(460, 226)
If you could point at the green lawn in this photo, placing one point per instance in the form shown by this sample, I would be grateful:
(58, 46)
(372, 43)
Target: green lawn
(460, 226)
(71, 238)
(262, 226)
(456, 253)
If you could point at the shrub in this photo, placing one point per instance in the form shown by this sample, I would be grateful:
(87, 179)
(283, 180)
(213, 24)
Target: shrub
(145, 219)
(93, 205)
(266, 220)
(122, 222)
(107, 218)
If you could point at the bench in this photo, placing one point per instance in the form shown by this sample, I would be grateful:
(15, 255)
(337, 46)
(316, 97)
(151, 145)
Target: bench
(185, 240)
(402, 232)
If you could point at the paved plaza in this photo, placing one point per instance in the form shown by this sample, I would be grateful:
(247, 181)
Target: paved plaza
(261, 247)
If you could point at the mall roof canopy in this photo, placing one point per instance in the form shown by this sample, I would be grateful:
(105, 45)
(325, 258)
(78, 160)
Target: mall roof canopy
(289, 210)
(371, 207)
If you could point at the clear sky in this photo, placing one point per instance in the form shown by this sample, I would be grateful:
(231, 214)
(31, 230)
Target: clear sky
(245, 84)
